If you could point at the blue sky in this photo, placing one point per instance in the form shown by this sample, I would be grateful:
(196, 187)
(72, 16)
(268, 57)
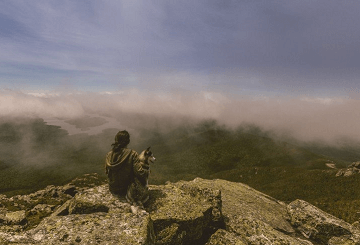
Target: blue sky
(267, 47)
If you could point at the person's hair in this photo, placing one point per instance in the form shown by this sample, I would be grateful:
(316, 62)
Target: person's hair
(122, 139)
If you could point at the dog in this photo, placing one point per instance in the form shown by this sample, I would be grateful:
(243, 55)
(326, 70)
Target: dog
(138, 191)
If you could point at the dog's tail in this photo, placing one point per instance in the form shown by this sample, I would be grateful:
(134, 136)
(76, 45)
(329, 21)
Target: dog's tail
(129, 197)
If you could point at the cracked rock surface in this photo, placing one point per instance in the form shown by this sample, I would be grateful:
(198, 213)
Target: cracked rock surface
(187, 212)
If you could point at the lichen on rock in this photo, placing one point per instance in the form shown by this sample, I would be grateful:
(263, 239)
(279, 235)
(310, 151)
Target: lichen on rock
(257, 232)
(170, 235)
(94, 228)
(318, 225)
(343, 240)
(187, 212)
(16, 218)
(223, 237)
(240, 200)
(97, 199)
(170, 205)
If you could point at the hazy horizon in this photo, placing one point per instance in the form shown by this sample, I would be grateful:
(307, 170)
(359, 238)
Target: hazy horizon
(305, 118)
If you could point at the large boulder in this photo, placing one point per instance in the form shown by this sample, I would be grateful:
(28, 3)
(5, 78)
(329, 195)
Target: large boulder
(240, 200)
(321, 226)
(179, 215)
(249, 214)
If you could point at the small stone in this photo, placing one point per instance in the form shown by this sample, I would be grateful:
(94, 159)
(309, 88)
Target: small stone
(70, 190)
(78, 239)
(42, 209)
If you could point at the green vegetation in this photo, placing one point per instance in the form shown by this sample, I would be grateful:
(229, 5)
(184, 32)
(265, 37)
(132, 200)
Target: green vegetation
(282, 170)
(34, 154)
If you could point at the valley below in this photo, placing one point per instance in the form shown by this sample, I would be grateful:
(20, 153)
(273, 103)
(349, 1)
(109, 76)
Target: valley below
(35, 154)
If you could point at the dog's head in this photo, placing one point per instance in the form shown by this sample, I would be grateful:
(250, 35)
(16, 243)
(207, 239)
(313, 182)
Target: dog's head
(147, 156)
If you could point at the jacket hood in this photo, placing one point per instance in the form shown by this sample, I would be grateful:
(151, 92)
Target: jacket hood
(115, 159)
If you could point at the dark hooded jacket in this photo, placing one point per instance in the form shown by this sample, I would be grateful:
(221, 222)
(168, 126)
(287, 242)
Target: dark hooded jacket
(119, 167)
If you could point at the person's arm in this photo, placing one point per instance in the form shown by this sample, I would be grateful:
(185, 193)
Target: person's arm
(106, 163)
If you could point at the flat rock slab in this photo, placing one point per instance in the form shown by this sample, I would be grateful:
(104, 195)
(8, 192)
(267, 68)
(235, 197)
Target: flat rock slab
(240, 200)
(96, 228)
(320, 226)
(243, 201)
(254, 216)
(99, 228)
(257, 232)
(97, 199)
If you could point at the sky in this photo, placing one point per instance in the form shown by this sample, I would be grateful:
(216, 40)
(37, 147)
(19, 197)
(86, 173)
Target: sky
(240, 47)
(278, 62)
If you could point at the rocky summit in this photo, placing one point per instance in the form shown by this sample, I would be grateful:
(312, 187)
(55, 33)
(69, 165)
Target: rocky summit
(211, 212)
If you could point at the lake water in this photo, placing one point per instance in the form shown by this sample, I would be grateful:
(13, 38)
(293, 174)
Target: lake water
(72, 129)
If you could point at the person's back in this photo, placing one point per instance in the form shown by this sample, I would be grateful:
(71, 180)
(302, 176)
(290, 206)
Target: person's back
(119, 164)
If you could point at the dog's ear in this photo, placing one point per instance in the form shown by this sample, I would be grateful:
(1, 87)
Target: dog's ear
(148, 149)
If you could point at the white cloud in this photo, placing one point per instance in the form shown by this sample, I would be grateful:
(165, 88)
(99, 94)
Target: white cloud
(17, 104)
(325, 100)
(306, 119)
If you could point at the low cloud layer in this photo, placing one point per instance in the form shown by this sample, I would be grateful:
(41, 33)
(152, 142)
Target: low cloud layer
(306, 118)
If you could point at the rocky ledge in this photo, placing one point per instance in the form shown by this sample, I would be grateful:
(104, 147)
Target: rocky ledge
(187, 212)
(352, 169)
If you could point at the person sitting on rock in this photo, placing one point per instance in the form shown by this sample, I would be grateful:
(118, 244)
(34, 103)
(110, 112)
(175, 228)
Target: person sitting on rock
(121, 163)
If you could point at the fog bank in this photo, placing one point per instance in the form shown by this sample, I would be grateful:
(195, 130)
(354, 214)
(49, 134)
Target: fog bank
(306, 118)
